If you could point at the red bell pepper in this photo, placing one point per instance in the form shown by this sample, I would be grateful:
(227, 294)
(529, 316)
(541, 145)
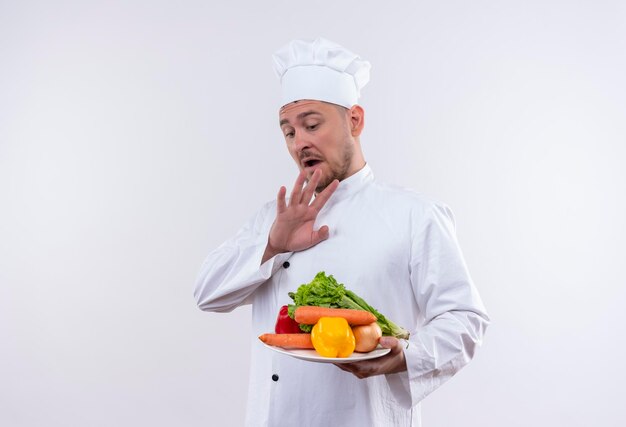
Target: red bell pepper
(285, 324)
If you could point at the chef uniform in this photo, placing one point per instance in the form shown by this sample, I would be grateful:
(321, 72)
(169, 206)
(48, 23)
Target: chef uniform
(393, 247)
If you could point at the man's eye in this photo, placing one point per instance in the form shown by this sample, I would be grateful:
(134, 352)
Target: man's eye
(312, 127)
(289, 135)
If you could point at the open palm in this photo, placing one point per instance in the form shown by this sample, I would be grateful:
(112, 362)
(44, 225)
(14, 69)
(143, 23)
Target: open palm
(293, 228)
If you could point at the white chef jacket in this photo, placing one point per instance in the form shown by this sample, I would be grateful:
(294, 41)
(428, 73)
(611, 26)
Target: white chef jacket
(391, 246)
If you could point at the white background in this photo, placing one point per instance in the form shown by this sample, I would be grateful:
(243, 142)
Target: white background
(135, 136)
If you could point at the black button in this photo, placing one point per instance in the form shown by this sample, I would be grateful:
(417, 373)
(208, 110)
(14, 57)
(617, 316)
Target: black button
(286, 264)
(274, 377)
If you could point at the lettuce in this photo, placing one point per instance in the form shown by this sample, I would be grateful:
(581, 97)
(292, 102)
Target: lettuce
(325, 291)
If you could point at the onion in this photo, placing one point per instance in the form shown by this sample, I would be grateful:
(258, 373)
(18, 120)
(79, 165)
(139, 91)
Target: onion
(366, 337)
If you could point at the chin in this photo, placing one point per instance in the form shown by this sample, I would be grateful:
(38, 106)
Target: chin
(309, 174)
(324, 182)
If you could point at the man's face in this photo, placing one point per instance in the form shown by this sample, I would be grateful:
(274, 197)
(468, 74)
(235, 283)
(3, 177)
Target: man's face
(318, 137)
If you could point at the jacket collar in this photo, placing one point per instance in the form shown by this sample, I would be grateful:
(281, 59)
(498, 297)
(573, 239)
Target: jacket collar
(353, 184)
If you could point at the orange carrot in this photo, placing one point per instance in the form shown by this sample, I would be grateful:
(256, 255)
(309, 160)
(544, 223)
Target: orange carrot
(309, 315)
(287, 340)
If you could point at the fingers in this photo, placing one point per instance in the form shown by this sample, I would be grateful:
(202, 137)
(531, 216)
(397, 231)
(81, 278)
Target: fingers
(390, 342)
(281, 204)
(296, 193)
(319, 235)
(323, 197)
(307, 194)
(343, 366)
(301, 193)
(391, 363)
(359, 369)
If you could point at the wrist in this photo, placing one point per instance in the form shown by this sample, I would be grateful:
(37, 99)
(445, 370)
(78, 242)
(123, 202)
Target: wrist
(270, 251)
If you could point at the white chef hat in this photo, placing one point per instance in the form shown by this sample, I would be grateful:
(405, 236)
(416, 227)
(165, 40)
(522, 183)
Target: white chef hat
(320, 70)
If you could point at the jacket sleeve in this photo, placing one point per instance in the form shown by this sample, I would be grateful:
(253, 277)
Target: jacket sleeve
(453, 318)
(232, 272)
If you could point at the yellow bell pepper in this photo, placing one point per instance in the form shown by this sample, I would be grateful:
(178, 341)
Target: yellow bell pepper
(333, 337)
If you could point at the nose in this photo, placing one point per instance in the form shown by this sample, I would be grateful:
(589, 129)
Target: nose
(301, 141)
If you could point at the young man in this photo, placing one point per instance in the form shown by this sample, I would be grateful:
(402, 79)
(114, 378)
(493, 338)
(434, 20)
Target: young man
(393, 247)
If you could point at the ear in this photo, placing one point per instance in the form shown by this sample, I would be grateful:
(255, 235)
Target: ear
(357, 120)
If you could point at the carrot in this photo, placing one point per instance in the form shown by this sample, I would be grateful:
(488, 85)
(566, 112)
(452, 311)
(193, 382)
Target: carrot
(287, 340)
(310, 314)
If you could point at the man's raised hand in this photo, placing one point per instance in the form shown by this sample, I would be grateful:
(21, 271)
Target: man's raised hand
(292, 230)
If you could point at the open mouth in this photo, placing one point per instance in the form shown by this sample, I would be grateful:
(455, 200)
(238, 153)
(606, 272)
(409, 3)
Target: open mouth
(311, 162)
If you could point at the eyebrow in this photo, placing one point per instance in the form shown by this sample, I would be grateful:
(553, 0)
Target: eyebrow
(300, 116)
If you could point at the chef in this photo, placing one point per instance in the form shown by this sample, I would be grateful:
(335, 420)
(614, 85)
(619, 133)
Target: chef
(394, 247)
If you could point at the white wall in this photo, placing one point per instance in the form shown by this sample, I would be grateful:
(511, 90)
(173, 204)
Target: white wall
(136, 136)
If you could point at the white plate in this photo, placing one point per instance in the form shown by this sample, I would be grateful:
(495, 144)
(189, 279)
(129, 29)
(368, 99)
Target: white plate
(314, 356)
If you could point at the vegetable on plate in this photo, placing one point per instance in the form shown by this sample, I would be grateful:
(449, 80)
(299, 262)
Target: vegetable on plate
(310, 314)
(366, 337)
(325, 291)
(299, 340)
(333, 337)
(285, 324)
